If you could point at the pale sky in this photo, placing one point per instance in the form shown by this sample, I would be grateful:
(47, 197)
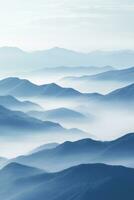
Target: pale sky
(82, 25)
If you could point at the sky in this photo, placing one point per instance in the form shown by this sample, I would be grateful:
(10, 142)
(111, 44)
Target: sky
(82, 25)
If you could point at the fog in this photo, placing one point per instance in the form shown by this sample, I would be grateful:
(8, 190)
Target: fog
(108, 122)
(102, 87)
(11, 147)
(109, 127)
(103, 122)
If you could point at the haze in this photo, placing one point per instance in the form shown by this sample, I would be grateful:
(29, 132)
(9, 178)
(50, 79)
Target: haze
(80, 25)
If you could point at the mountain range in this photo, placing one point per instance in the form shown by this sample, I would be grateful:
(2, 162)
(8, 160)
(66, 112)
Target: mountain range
(56, 73)
(60, 115)
(12, 103)
(68, 154)
(16, 121)
(66, 163)
(123, 75)
(44, 147)
(94, 181)
(24, 88)
(19, 124)
(16, 60)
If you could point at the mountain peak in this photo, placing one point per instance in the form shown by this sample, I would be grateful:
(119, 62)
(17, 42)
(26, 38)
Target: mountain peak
(16, 80)
(11, 50)
(52, 85)
(20, 170)
(11, 79)
(13, 165)
(60, 49)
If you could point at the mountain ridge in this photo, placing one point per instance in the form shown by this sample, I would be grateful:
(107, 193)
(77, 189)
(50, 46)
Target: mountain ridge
(11, 58)
(98, 181)
(69, 154)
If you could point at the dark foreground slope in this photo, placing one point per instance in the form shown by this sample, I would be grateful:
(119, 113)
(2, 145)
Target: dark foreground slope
(83, 182)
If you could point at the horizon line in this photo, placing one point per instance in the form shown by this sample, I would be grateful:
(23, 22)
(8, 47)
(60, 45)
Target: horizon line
(68, 49)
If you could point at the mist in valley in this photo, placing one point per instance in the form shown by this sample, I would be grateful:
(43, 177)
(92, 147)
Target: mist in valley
(102, 87)
(102, 122)
(66, 100)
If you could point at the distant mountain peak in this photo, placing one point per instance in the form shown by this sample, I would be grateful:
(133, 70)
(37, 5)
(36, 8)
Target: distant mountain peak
(16, 80)
(60, 49)
(52, 85)
(20, 170)
(11, 79)
(11, 50)
(13, 165)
